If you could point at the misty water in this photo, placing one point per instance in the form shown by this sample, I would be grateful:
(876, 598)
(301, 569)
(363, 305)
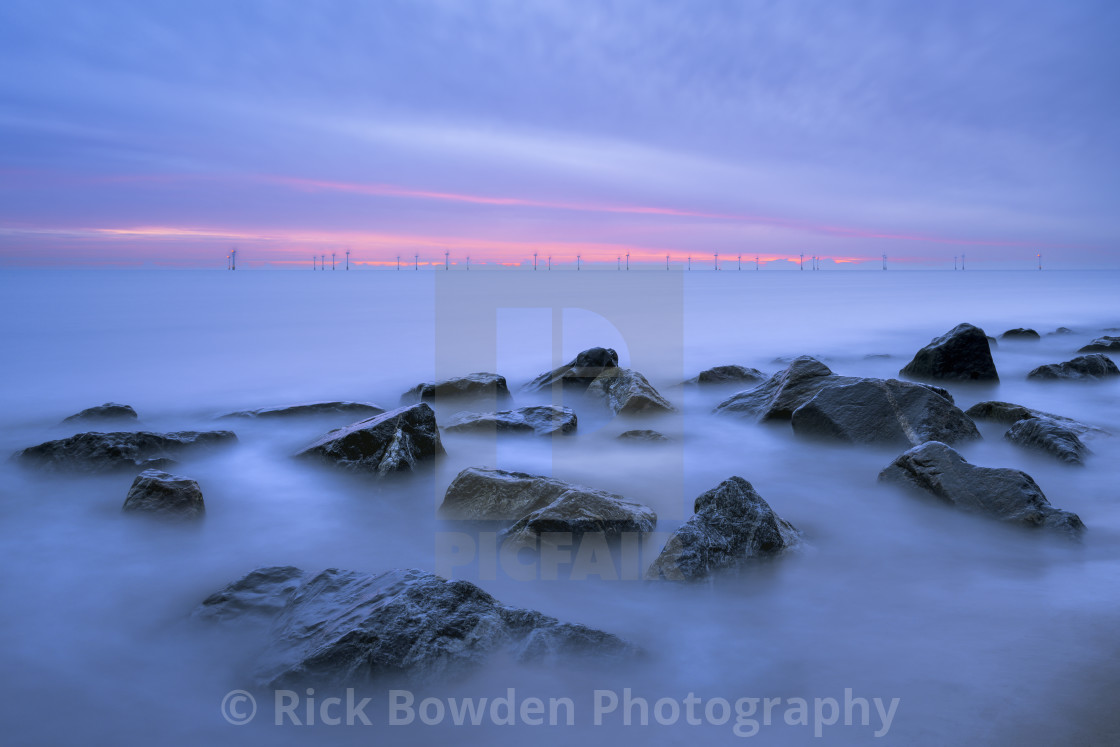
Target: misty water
(986, 633)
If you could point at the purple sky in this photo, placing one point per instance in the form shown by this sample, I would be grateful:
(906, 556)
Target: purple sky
(170, 132)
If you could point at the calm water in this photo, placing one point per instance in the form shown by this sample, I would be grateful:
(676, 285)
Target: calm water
(987, 635)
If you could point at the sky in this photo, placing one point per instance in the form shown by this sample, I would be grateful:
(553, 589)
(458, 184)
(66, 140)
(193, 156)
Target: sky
(168, 133)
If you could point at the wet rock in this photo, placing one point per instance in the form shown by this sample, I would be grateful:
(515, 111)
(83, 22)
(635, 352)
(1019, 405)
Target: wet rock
(1105, 344)
(962, 354)
(1082, 368)
(579, 511)
(732, 524)
(343, 628)
(1008, 413)
(310, 409)
(1020, 333)
(627, 392)
(1049, 435)
(471, 386)
(874, 411)
(783, 392)
(165, 495)
(722, 375)
(541, 420)
(937, 470)
(395, 441)
(96, 452)
(644, 435)
(102, 413)
(577, 373)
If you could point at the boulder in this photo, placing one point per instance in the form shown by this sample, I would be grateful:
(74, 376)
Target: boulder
(1008, 413)
(643, 435)
(732, 524)
(723, 375)
(1061, 331)
(102, 413)
(577, 373)
(1105, 344)
(340, 629)
(783, 392)
(874, 411)
(96, 452)
(1091, 367)
(962, 354)
(627, 392)
(579, 511)
(542, 420)
(471, 386)
(1020, 333)
(310, 409)
(1007, 494)
(1049, 435)
(395, 441)
(165, 495)
(497, 494)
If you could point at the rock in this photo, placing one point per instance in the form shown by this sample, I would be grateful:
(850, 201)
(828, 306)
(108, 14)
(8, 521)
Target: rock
(644, 435)
(727, 375)
(1008, 413)
(577, 373)
(783, 392)
(628, 393)
(395, 441)
(96, 452)
(102, 413)
(1048, 435)
(471, 386)
(992, 342)
(1020, 333)
(1006, 494)
(731, 524)
(873, 411)
(542, 420)
(1082, 368)
(1061, 331)
(345, 629)
(580, 511)
(172, 496)
(359, 409)
(961, 354)
(1105, 344)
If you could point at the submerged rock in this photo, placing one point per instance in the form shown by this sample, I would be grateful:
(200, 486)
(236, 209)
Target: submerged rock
(360, 409)
(1020, 333)
(106, 452)
(1049, 435)
(542, 420)
(644, 435)
(577, 373)
(732, 524)
(1006, 494)
(167, 495)
(627, 392)
(873, 411)
(1082, 368)
(727, 375)
(343, 628)
(471, 386)
(102, 413)
(961, 354)
(1008, 413)
(1061, 331)
(395, 441)
(783, 392)
(1105, 344)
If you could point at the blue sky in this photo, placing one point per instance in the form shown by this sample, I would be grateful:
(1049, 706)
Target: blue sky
(141, 131)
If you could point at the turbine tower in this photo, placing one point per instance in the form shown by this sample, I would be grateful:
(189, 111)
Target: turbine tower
(550, 263)
(398, 263)
(740, 262)
(577, 263)
(233, 260)
(1039, 255)
(884, 261)
(333, 255)
(715, 261)
(962, 263)
(628, 261)
(666, 263)
(803, 262)
(446, 260)
(416, 262)
(347, 260)
(534, 261)
(468, 263)
(954, 262)
(690, 263)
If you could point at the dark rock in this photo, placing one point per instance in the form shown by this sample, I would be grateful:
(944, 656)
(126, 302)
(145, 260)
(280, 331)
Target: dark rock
(1105, 344)
(1020, 333)
(961, 354)
(360, 409)
(1061, 331)
(471, 386)
(542, 420)
(342, 628)
(102, 413)
(1007, 494)
(579, 511)
(172, 496)
(1048, 435)
(1082, 368)
(731, 524)
(992, 342)
(628, 393)
(577, 373)
(783, 392)
(644, 435)
(106, 452)
(395, 441)
(1008, 413)
(727, 375)
(874, 411)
